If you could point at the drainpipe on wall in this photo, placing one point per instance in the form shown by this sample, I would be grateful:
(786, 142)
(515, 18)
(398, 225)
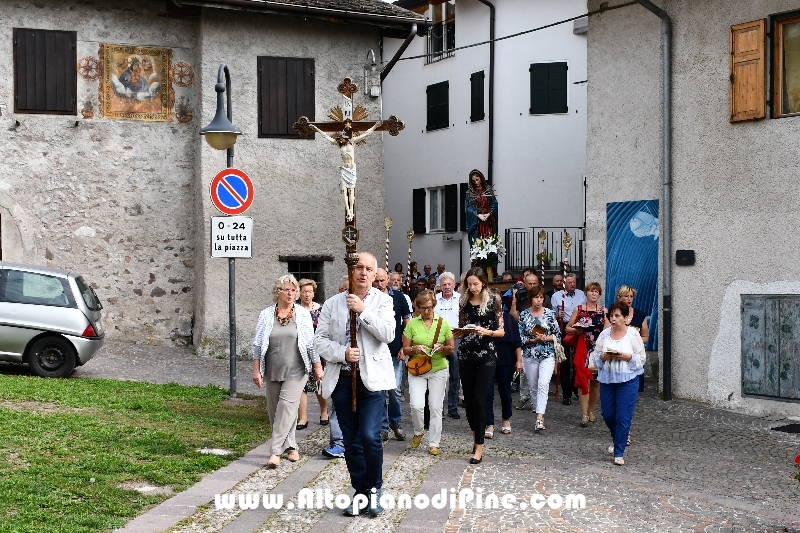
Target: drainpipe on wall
(389, 66)
(666, 218)
(491, 90)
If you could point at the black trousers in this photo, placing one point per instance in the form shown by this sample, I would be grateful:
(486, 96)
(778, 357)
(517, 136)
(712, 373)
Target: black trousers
(567, 371)
(477, 375)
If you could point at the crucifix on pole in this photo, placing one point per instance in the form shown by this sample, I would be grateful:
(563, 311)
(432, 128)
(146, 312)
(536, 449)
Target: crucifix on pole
(350, 128)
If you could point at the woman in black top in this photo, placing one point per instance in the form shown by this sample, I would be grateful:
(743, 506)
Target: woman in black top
(636, 319)
(509, 360)
(480, 321)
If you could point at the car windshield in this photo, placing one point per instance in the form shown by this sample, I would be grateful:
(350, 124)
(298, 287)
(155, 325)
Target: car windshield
(88, 294)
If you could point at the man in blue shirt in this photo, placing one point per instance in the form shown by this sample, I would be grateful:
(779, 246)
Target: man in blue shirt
(392, 418)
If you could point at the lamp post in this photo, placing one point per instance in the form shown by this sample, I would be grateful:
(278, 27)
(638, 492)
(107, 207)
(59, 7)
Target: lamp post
(221, 134)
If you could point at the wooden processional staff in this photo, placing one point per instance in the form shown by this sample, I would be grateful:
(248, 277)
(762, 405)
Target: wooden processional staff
(351, 128)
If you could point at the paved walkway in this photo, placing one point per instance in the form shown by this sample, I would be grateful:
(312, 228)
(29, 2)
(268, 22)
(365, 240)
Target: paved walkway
(690, 468)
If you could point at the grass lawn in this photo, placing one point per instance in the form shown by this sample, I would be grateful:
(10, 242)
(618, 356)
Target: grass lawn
(68, 445)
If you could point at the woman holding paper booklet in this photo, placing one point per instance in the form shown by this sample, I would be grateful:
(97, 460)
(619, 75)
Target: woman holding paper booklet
(587, 320)
(619, 356)
(480, 321)
(427, 335)
(539, 331)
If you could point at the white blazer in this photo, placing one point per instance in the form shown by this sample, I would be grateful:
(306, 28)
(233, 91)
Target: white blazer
(376, 329)
(305, 334)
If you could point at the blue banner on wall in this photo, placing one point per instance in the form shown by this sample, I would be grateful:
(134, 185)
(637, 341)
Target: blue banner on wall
(632, 257)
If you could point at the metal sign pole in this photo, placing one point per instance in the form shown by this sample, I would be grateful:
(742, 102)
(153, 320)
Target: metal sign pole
(232, 282)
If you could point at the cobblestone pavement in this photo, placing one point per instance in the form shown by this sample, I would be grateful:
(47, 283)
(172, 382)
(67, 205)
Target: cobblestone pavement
(691, 467)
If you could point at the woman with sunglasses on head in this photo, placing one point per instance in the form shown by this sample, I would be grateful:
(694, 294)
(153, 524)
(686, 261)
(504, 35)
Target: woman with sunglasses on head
(480, 321)
(636, 318)
(427, 335)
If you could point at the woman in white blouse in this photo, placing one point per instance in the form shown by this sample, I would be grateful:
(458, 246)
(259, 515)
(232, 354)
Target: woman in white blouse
(619, 356)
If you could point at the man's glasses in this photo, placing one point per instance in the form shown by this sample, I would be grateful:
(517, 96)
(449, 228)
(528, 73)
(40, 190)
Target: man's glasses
(427, 308)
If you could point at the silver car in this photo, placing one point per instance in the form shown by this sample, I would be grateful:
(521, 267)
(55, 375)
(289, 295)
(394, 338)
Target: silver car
(49, 319)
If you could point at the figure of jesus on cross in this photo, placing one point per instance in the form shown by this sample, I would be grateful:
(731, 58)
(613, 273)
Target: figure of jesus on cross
(347, 123)
(347, 184)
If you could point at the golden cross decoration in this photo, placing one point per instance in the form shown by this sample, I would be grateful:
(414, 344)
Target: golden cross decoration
(347, 120)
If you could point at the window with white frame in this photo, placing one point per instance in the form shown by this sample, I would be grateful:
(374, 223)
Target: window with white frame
(442, 33)
(436, 209)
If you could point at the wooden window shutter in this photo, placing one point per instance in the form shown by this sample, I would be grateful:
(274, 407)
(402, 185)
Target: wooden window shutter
(476, 96)
(438, 106)
(748, 71)
(463, 190)
(285, 93)
(45, 71)
(418, 211)
(451, 208)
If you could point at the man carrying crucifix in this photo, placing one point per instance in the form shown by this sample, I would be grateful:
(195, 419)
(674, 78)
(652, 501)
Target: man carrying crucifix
(348, 169)
(370, 362)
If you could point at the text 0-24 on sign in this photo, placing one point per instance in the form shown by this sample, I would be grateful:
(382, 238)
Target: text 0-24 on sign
(231, 237)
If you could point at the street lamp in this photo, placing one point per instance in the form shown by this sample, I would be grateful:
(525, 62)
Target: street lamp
(221, 134)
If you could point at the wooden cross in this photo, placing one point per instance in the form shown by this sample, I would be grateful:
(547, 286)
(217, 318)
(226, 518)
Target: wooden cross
(349, 122)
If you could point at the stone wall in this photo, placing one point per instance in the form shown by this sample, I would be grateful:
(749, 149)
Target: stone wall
(298, 208)
(126, 202)
(103, 197)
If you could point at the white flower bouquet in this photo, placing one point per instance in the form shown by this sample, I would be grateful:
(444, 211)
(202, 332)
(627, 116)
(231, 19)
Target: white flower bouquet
(487, 251)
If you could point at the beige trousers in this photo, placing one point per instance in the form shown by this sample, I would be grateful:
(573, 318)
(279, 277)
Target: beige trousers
(283, 400)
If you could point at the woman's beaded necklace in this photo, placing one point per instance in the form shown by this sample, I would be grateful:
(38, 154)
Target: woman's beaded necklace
(284, 321)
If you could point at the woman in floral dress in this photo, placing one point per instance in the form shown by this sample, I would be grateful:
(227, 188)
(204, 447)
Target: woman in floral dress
(589, 320)
(308, 287)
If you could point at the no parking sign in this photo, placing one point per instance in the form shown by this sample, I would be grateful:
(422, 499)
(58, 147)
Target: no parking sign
(232, 191)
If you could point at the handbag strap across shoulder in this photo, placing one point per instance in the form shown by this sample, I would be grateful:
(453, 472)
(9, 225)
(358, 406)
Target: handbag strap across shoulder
(438, 328)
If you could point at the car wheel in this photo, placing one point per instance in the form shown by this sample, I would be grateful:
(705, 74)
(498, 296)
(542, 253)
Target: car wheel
(51, 357)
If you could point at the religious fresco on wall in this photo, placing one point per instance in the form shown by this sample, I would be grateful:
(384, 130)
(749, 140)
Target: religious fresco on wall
(135, 83)
(632, 257)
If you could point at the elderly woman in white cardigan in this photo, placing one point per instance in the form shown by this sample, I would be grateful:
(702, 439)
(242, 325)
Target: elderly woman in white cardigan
(283, 357)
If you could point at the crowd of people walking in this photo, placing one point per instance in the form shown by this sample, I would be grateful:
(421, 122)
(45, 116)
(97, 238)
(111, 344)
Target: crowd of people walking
(454, 340)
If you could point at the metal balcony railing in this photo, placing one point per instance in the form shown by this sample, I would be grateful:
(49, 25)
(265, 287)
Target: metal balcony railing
(523, 245)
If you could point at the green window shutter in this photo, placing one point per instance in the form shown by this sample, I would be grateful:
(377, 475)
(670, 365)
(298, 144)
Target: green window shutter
(539, 89)
(418, 211)
(548, 88)
(558, 88)
(463, 190)
(451, 208)
(476, 100)
(438, 106)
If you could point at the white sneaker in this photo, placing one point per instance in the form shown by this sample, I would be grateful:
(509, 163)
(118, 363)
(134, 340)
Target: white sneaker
(619, 461)
(610, 449)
